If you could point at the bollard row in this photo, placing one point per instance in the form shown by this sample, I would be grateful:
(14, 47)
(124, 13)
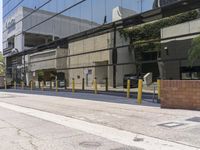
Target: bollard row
(95, 87)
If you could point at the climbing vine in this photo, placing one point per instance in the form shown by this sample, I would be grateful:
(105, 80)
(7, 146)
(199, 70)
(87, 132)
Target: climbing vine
(151, 30)
(140, 36)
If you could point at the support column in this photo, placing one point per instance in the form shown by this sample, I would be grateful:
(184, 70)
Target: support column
(114, 58)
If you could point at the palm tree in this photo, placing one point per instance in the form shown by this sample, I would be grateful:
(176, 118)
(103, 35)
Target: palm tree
(194, 51)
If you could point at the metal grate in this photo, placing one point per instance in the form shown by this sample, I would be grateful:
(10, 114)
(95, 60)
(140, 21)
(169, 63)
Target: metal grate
(171, 124)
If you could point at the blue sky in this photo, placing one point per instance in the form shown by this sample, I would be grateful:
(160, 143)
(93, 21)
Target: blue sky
(100, 8)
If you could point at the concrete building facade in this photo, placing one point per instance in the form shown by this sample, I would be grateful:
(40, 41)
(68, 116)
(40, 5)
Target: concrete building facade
(176, 50)
(99, 61)
(20, 35)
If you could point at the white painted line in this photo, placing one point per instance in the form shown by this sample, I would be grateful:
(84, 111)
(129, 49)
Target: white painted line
(116, 135)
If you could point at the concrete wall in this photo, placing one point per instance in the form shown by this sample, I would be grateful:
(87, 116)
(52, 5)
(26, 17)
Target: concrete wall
(50, 64)
(84, 46)
(124, 55)
(175, 50)
(61, 63)
(181, 29)
(180, 94)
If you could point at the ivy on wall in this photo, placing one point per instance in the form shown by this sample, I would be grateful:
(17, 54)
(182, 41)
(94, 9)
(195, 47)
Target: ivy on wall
(141, 36)
(151, 31)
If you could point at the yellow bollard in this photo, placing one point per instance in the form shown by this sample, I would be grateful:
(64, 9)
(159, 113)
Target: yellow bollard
(158, 85)
(42, 85)
(73, 85)
(95, 86)
(106, 86)
(128, 88)
(83, 84)
(139, 98)
(15, 85)
(31, 85)
(5, 84)
(56, 86)
(22, 85)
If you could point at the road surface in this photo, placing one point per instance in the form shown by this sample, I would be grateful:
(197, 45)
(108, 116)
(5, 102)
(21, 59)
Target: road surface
(97, 122)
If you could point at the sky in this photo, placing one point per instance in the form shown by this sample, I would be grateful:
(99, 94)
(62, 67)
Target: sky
(99, 8)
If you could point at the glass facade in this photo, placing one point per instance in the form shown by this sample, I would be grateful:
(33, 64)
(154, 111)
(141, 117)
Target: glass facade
(160, 3)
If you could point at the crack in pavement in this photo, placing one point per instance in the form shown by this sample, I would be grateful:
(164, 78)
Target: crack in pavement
(24, 134)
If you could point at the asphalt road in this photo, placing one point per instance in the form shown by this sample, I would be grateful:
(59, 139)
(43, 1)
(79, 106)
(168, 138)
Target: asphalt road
(41, 121)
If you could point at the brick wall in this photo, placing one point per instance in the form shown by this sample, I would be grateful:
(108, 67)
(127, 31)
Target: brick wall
(180, 94)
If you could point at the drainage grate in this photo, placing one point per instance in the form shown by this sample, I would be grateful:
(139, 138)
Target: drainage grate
(194, 119)
(171, 124)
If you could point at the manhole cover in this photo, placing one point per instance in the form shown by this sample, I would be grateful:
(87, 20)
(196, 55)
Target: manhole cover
(171, 124)
(194, 119)
(90, 144)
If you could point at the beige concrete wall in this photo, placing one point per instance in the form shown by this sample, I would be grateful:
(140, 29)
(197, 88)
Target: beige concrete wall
(125, 55)
(50, 64)
(61, 63)
(181, 29)
(84, 46)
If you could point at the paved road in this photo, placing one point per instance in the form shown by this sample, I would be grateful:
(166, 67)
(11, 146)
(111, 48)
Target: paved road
(65, 121)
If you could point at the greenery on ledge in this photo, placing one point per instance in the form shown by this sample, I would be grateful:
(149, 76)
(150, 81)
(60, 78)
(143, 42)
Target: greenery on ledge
(151, 30)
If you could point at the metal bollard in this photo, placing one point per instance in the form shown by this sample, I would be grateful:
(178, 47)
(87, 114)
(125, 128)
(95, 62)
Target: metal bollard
(139, 97)
(159, 91)
(128, 88)
(56, 86)
(106, 86)
(95, 86)
(83, 84)
(73, 85)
